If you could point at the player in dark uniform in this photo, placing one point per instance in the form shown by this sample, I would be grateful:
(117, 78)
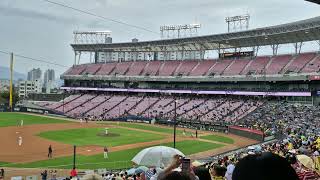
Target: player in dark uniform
(105, 152)
(50, 151)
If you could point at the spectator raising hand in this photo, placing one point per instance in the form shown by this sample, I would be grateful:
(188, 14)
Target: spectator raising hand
(173, 171)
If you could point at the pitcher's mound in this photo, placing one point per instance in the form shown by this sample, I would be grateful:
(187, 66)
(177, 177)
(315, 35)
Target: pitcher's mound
(103, 134)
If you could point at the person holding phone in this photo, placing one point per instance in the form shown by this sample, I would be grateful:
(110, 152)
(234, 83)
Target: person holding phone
(185, 173)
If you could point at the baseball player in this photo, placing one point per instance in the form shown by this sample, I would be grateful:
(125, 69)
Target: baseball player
(21, 122)
(20, 141)
(105, 152)
(50, 151)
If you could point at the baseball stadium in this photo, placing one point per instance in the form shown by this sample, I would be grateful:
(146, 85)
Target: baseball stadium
(137, 105)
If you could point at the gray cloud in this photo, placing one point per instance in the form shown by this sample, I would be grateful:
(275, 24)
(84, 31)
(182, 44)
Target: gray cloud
(24, 13)
(39, 29)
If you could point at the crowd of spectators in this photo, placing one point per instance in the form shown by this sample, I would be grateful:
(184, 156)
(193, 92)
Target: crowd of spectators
(294, 155)
(284, 118)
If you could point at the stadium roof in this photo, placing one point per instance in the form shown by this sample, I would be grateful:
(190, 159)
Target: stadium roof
(300, 31)
(314, 1)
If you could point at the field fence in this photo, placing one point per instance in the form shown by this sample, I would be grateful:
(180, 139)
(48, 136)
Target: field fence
(63, 170)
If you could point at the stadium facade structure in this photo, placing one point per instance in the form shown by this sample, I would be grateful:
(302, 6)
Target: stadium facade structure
(269, 74)
(314, 1)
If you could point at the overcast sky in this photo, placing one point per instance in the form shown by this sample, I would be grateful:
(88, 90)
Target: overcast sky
(38, 29)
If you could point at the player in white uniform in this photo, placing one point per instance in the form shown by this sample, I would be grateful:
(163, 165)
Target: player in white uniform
(105, 152)
(21, 122)
(20, 141)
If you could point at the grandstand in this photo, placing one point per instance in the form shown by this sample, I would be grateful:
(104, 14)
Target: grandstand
(147, 70)
(238, 98)
(144, 82)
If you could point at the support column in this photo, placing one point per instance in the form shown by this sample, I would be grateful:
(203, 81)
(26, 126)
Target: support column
(219, 48)
(75, 58)
(182, 55)
(297, 47)
(255, 50)
(202, 53)
(275, 49)
(300, 47)
(165, 53)
(79, 57)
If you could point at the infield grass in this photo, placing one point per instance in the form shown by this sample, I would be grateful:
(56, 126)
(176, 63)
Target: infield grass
(13, 119)
(116, 160)
(89, 136)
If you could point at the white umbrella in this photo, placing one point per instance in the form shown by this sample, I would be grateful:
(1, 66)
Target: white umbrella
(158, 156)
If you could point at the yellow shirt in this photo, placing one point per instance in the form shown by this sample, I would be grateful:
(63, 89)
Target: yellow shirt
(218, 178)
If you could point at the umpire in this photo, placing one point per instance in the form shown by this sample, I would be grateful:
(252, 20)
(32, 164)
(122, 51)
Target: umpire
(50, 152)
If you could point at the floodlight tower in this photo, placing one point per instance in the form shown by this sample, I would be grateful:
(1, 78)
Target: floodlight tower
(238, 23)
(179, 31)
(90, 37)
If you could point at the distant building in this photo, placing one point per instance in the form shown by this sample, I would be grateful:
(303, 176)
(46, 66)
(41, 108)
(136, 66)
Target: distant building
(50, 86)
(49, 76)
(27, 87)
(34, 74)
(49, 80)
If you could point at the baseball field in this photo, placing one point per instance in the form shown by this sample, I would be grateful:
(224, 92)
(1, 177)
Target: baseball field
(124, 141)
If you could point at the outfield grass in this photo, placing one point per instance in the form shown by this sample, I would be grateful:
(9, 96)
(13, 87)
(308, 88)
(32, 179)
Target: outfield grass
(193, 146)
(13, 119)
(3, 163)
(168, 130)
(89, 136)
(116, 160)
(148, 127)
(218, 138)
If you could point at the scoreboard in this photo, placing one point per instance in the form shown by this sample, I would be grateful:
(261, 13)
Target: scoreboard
(236, 54)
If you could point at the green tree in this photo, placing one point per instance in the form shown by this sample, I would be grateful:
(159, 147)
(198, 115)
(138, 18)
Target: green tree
(5, 95)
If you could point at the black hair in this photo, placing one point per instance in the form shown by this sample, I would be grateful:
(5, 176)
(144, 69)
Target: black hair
(202, 173)
(266, 166)
(219, 170)
(292, 159)
(174, 175)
